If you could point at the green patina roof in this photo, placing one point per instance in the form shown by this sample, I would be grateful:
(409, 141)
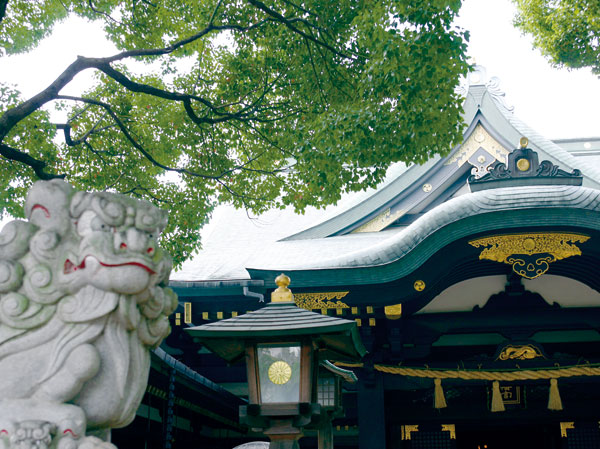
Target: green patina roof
(277, 321)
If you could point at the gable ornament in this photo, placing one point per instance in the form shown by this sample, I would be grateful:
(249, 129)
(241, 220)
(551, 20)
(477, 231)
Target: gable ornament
(529, 254)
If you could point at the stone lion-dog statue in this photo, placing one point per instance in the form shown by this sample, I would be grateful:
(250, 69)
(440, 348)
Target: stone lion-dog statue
(83, 298)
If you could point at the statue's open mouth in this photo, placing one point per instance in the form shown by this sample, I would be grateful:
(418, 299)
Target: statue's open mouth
(70, 267)
(136, 264)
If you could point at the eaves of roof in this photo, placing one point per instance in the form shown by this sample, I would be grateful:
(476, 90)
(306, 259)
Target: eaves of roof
(497, 210)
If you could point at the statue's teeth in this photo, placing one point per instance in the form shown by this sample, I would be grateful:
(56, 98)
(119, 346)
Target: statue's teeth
(70, 267)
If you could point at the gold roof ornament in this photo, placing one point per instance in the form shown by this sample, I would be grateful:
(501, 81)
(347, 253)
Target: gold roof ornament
(523, 142)
(282, 293)
(529, 254)
(522, 168)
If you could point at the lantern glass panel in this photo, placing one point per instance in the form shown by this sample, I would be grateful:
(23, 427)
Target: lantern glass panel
(326, 391)
(279, 373)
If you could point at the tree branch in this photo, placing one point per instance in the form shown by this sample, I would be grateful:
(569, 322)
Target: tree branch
(3, 5)
(289, 23)
(11, 117)
(140, 148)
(37, 165)
(97, 11)
(131, 139)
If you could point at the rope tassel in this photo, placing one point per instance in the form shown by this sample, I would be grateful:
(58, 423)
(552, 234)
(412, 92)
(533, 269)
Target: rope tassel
(439, 401)
(554, 402)
(497, 402)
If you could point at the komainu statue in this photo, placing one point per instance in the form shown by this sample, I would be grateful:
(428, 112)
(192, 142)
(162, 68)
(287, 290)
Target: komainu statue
(82, 300)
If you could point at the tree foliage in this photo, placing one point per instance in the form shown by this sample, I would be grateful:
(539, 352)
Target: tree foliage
(566, 31)
(260, 104)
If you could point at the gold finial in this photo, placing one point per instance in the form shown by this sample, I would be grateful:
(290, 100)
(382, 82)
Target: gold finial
(523, 141)
(282, 293)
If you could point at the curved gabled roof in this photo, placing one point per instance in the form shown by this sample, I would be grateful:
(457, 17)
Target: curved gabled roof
(296, 243)
(395, 256)
(484, 103)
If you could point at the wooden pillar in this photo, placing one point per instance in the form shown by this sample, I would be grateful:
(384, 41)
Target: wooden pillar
(326, 436)
(283, 434)
(284, 444)
(371, 412)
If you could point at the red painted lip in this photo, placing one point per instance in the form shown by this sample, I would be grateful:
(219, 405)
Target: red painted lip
(70, 267)
(135, 264)
(43, 208)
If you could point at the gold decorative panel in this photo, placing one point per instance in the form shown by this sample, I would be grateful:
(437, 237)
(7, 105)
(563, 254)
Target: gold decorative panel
(187, 315)
(479, 138)
(520, 352)
(393, 312)
(321, 300)
(564, 426)
(407, 430)
(531, 254)
(450, 428)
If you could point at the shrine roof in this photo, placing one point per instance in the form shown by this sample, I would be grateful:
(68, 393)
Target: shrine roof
(381, 226)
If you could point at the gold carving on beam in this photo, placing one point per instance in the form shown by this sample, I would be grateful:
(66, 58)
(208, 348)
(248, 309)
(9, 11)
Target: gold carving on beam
(393, 312)
(450, 428)
(564, 426)
(530, 254)
(407, 430)
(479, 138)
(187, 312)
(321, 300)
(380, 222)
(521, 352)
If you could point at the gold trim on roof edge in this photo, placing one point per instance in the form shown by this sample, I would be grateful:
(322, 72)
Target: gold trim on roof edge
(380, 222)
(520, 250)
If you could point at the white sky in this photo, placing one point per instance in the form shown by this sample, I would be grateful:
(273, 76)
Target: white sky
(557, 103)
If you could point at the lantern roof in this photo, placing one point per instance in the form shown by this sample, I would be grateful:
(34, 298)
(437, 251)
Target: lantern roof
(278, 321)
(281, 320)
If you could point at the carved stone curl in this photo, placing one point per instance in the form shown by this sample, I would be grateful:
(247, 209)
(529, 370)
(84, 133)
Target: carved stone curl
(82, 300)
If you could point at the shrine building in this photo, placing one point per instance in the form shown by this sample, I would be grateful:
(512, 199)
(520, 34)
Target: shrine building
(474, 281)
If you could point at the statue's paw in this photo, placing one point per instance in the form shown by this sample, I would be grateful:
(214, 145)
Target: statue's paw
(34, 424)
(33, 434)
(92, 443)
